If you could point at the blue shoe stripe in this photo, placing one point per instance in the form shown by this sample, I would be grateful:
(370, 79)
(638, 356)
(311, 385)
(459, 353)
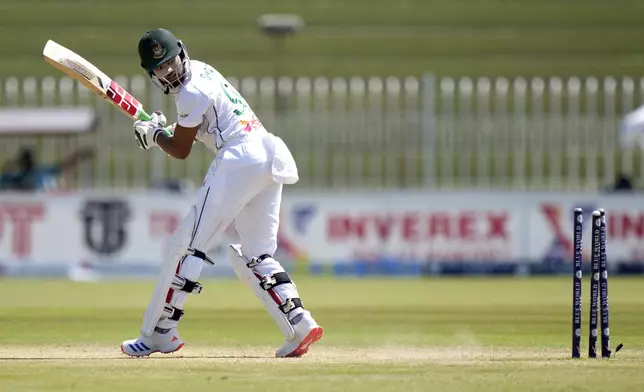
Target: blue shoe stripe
(133, 348)
(144, 346)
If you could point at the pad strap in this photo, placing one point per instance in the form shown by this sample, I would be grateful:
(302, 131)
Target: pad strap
(200, 255)
(172, 313)
(183, 284)
(290, 304)
(270, 281)
(256, 260)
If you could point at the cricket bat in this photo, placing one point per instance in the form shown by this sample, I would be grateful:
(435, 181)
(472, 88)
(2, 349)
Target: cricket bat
(93, 78)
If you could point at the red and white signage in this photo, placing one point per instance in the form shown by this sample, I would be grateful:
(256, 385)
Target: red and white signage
(131, 228)
(414, 227)
(85, 227)
(463, 226)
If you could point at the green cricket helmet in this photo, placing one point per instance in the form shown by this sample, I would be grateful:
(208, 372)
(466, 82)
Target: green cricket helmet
(165, 59)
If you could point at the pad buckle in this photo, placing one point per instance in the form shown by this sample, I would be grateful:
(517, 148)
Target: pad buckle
(183, 284)
(254, 261)
(172, 313)
(268, 281)
(290, 304)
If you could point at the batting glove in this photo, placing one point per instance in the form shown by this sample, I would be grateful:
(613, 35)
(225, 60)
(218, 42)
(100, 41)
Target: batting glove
(159, 118)
(146, 132)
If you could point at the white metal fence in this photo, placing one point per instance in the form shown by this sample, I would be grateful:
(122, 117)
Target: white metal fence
(379, 132)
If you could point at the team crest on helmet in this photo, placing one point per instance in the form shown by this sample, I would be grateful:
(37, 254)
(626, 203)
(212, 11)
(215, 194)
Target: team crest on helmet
(158, 51)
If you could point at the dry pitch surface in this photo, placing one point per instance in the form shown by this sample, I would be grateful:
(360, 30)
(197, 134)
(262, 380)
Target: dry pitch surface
(439, 335)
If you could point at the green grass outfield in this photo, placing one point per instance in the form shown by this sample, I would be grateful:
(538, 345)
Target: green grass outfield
(381, 335)
(342, 37)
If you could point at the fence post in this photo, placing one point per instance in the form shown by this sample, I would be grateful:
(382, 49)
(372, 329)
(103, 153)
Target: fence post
(444, 136)
(537, 130)
(393, 134)
(341, 162)
(320, 131)
(555, 128)
(12, 91)
(30, 91)
(573, 89)
(628, 91)
(519, 133)
(376, 118)
(501, 148)
(464, 131)
(411, 142)
(590, 126)
(357, 126)
(428, 128)
(610, 87)
(484, 130)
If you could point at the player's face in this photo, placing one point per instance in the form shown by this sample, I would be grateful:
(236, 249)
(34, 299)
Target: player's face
(170, 72)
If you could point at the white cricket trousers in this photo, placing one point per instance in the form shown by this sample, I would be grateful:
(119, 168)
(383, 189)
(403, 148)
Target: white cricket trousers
(243, 186)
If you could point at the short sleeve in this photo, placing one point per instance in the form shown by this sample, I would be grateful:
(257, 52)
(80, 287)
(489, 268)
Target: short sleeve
(191, 106)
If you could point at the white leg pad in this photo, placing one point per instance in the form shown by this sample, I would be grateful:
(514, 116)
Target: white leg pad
(189, 269)
(281, 301)
(175, 251)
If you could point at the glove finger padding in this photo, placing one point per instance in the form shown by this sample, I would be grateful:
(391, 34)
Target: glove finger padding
(140, 134)
(145, 133)
(159, 118)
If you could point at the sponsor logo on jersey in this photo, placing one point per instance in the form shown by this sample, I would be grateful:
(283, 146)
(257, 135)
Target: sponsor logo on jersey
(254, 123)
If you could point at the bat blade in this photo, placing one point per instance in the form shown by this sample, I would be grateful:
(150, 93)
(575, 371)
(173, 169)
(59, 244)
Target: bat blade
(93, 78)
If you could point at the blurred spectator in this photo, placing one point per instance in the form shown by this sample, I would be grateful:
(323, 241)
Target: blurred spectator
(623, 183)
(25, 173)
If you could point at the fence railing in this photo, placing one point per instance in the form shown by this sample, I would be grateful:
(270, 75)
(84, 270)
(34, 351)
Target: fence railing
(377, 132)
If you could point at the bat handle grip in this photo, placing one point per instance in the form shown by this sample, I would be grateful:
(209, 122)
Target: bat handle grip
(169, 130)
(143, 115)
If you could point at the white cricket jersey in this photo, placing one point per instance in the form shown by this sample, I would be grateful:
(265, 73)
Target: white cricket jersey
(210, 100)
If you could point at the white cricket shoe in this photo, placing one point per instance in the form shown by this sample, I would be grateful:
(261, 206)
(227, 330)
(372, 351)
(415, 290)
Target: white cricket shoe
(166, 343)
(307, 332)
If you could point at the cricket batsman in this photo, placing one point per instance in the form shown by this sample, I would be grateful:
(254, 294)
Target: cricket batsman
(243, 187)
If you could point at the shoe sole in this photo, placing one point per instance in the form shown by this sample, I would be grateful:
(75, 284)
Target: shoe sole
(313, 337)
(157, 351)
